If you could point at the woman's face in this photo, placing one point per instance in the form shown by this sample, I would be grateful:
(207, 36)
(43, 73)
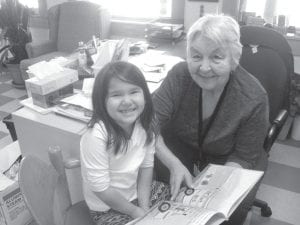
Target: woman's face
(208, 63)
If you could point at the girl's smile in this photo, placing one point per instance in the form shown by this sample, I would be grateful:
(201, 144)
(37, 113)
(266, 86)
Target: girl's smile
(125, 102)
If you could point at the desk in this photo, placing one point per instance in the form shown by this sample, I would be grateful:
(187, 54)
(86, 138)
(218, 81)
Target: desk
(297, 64)
(37, 132)
(294, 42)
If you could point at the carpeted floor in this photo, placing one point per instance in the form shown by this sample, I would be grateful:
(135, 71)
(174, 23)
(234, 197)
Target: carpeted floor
(280, 186)
(9, 102)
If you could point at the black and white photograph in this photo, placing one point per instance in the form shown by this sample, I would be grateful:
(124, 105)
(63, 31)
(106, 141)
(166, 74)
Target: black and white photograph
(149, 112)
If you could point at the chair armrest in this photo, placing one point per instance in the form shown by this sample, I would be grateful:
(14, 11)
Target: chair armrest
(72, 163)
(56, 159)
(281, 117)
(275, 129)
(40, 48)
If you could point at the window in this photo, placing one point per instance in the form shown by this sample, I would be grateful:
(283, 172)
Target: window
(128, 8)
(289, 8)
(137, 8)
(257, 6)
(30, 3)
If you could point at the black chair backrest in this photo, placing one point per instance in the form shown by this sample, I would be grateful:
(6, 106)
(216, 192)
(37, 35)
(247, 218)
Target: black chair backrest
(267, 56)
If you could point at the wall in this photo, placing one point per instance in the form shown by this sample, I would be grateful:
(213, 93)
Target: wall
(127, 29)
(44, 5)
(231, 7)
(192, 10)
(182, 10)
(178, 9)
(130, 29)
(51, 3)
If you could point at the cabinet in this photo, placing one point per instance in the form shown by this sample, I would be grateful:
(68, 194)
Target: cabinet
(164, 30)
(37, 132)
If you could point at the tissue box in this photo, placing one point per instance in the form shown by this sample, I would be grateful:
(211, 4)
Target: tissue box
(48, 100)
(51, 83)
(13, 210)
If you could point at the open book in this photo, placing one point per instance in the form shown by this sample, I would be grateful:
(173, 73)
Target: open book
(218, 191)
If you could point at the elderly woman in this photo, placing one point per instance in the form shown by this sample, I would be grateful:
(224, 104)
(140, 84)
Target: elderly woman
(211, 110)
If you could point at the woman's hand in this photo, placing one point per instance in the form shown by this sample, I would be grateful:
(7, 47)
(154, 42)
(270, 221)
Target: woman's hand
(179, 174)
(137, 212)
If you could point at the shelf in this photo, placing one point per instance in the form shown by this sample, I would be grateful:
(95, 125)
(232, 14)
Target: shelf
(164, 30)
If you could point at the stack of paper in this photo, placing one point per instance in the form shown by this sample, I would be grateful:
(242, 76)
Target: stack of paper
(109, 51)
(78, 106)
(73, 112)
(87, 86)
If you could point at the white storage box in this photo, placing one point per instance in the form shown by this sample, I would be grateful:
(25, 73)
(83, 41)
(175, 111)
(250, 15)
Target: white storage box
(13, 210)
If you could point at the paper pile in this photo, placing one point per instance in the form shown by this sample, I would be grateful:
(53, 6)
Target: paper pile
(112, 50)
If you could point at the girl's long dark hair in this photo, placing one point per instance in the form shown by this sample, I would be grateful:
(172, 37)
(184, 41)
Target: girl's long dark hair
(129, 73)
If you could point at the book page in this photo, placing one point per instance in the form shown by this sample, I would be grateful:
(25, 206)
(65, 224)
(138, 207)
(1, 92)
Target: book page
(220, 188)
(170, 213)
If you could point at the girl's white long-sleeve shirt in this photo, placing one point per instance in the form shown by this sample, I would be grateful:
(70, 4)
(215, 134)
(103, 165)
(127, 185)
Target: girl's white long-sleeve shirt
(101, 168)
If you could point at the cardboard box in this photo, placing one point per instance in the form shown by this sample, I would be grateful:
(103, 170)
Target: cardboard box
(13, 210)
(50, 99)
(51, 83)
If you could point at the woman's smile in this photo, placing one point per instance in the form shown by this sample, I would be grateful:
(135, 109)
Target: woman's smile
(207, 76)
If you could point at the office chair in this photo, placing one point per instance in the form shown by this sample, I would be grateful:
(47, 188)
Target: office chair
(45, 191)
(267, 55)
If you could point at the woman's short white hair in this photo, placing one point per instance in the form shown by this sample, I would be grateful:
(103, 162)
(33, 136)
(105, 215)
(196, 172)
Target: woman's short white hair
(221, 29)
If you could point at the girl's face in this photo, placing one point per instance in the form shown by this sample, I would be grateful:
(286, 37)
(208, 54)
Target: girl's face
(125, 102)
(209, 64)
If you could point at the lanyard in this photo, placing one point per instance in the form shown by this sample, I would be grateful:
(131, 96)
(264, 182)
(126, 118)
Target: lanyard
(203, 133)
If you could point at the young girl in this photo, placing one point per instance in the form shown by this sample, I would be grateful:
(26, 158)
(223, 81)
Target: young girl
(117, 150)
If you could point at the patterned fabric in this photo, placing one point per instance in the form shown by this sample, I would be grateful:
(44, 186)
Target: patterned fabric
(159, 192)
